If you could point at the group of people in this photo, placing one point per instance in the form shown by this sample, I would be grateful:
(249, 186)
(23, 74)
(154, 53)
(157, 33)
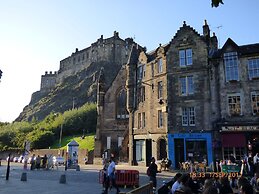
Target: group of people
(38, 162)
(248, 164)
(187, 184)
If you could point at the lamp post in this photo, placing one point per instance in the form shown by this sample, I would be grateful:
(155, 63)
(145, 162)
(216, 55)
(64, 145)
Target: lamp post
(60, 135)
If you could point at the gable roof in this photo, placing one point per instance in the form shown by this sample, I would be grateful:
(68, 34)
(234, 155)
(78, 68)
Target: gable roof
(185, 28)
(228, 43)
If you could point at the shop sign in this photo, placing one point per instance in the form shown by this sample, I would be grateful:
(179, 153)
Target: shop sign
(240, 128)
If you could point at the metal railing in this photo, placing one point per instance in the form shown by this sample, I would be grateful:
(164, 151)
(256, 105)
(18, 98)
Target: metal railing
(145, 189)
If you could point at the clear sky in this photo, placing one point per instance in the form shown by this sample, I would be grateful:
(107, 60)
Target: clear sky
(36, 35)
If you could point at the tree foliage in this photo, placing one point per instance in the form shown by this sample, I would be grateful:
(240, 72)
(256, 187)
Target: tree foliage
(43, 133)
(215, 3)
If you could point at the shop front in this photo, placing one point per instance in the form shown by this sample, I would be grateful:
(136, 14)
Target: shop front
(196, 147)
(239, 141)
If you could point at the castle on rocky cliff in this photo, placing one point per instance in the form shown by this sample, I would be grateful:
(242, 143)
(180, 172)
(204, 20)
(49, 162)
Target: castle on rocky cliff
(113, 49)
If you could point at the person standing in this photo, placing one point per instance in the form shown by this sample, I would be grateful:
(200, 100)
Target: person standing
(44, 161)
(152, 172)
(111, 177)
(38, 161)
(33, 162)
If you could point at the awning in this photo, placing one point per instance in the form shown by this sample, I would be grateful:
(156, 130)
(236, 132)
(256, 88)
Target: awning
(233, 140)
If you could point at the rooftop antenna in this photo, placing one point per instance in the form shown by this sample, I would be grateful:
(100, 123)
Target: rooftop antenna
(218, 27)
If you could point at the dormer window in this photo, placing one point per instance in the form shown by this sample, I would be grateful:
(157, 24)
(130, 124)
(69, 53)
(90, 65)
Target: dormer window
(185, 57)
(253, 68)
(231, 66)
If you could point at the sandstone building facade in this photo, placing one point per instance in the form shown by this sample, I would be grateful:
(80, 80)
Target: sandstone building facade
(190, 100)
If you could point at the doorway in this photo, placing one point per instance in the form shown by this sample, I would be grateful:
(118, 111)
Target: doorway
(179, 151)
(162, 149)
(148, 151)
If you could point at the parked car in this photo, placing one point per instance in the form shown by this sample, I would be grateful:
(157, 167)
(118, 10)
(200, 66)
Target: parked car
(20, 159)
(58, 160)
(15, 159)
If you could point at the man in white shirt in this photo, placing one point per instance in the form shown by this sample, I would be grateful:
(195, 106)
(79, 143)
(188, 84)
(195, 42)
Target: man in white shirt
(176, 183)
(111, 176)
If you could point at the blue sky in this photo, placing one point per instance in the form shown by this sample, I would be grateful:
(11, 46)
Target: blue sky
(36, 35)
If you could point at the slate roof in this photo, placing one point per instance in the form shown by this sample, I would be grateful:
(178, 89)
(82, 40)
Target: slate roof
(242, 50)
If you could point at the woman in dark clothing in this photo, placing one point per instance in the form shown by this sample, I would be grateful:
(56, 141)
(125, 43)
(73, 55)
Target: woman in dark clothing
(44, 161)
(153, 172)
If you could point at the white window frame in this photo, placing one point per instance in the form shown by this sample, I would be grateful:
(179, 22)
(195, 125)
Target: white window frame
(185, 57)
(139, 121)
(160, 65)
(186, 85)
(141, 72)
(140, 150)
(108, 143)
(234, 97)
(255, 102)
(231, 66)
(159, 89)
(160, 118)
(253, 68)
(143, 119)
(188, 116)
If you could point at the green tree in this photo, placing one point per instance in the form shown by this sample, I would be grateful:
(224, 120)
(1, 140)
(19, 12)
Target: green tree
(215, 3)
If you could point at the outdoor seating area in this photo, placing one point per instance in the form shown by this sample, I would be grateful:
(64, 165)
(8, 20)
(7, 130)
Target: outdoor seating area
(196, 166)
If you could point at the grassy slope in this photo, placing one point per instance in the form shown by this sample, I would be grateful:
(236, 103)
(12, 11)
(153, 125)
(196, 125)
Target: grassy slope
(86, 143)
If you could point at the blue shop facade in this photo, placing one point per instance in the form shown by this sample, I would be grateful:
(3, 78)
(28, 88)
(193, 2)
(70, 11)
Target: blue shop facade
(190, 146)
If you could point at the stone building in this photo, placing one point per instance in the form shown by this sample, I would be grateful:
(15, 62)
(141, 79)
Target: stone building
(112, 119)
(235, 77)
(189, 109)
(170, 109)
(186, 100)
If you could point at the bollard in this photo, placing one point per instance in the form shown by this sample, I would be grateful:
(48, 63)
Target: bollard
(24, 176)
(77, 168)
(62, 179)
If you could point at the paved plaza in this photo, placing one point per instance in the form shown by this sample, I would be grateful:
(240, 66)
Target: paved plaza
(85, 181)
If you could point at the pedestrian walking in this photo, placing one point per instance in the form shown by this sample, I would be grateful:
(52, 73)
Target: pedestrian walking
(152, 171)
(33, 162)
(111, 177)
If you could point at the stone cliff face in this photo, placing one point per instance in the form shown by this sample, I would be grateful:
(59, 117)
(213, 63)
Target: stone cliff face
(73, 92)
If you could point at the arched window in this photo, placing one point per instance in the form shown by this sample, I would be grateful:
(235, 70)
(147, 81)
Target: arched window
(122, 112)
